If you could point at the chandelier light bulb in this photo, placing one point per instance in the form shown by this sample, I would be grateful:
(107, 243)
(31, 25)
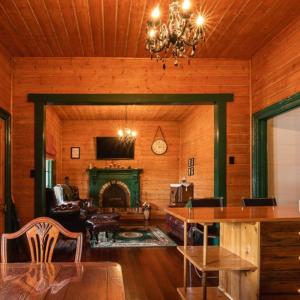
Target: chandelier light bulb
(200, 21)
(155, 13)
(128, 131)
(134, 133)
(186, 5)
(120, 133)
(152, 33)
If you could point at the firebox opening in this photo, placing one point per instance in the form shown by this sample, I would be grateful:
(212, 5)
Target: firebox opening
(114, 194)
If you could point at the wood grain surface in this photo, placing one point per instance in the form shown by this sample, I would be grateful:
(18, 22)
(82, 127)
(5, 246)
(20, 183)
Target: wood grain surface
(62, 281)
(235, 28)
(236, 214)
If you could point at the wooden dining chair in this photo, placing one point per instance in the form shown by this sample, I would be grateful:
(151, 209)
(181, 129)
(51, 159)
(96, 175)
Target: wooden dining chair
(259, 202)
(42, 234)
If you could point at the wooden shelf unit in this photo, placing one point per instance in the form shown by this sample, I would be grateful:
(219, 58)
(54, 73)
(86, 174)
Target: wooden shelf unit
(248, 268)
(195, 293)
(217, 259)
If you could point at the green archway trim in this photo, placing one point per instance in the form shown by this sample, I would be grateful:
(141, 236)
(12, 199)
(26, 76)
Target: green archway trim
(7, 172)
(41, 100)
(260, 155)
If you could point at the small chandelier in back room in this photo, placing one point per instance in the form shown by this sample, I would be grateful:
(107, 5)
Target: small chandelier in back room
(178, 37)
(126, 134)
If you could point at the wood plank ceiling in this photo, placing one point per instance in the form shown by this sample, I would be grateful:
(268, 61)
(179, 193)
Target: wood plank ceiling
(134, 112)
(116, 28)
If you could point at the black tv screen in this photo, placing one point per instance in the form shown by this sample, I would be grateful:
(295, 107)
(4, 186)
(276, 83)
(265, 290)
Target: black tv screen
(114, 148)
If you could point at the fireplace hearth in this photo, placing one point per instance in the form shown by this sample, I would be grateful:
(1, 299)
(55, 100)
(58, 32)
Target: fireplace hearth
(115, 188)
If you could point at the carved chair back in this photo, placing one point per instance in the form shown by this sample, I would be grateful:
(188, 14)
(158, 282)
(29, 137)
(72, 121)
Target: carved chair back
(42, 234)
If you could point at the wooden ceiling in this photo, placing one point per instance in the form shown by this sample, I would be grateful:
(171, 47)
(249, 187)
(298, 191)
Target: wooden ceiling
(116, 28)
(134, 112)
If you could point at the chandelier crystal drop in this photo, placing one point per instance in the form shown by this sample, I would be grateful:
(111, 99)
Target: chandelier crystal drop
(178, 37)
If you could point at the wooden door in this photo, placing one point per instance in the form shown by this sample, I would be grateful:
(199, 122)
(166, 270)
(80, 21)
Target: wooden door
(2, 175)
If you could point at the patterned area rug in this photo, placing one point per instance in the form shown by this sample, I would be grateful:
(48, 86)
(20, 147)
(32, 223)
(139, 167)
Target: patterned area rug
(134, 236)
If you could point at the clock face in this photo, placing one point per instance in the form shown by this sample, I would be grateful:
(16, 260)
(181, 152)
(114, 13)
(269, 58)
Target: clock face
(159, 147)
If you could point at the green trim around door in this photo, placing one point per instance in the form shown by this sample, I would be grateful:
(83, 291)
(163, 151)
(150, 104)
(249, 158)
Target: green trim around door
(220, 150)
(7, 172)
(41, 100)
(260, 155)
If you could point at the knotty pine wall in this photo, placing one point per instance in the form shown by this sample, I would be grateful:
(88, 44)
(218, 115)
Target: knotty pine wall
(5, 80)
(106, 75)
(158, 170)
(197, 141)
(5, 103)
(54, 128)
(276, 68)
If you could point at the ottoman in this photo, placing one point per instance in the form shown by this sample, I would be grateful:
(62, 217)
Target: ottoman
(95, 225)
(108, 216)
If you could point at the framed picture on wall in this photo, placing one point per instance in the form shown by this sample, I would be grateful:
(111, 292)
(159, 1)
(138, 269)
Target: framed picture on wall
(190, 171)
(191, 162)
(75, 152)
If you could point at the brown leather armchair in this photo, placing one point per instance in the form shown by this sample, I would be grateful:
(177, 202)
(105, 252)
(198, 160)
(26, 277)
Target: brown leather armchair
(67, 212)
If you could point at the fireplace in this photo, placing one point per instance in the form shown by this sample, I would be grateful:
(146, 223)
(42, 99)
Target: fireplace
(120, 188)
(114, 193)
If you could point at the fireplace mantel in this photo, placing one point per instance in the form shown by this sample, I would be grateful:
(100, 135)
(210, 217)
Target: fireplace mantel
(100, 176)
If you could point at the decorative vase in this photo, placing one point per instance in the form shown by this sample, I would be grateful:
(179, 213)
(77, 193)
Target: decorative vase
(147, 214)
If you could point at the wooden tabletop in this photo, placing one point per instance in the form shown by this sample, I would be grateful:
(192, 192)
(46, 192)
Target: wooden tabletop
(236, 214)
(86, 281)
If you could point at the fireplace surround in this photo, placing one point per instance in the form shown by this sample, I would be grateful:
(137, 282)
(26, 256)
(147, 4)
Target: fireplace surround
(115, 187)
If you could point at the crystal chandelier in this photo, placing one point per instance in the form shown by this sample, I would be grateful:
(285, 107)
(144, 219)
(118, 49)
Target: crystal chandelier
(179, 36)
(126, 134)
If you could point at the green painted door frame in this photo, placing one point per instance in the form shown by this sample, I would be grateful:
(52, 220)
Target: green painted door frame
(260, 154)
(4, 115)
(41, 100)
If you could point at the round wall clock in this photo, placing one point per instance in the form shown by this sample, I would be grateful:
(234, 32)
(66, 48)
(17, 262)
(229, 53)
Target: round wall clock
(159, 145)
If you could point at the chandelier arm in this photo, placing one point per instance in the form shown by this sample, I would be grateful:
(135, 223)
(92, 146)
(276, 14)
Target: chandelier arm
(183, 30)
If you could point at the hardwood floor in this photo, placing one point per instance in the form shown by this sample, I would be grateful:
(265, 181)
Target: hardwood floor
(148, 273)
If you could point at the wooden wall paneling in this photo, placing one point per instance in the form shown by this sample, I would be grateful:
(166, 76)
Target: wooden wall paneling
(158, 170)
(134, 24)
(134, 112)
(10, 33)
(96, 13)
(5, 110)
(103, 75)
(25, 35)
(48, 25)
(197, 141)
(242, 239)
(235, 28)
(82, 11)
(276, 68)
(5, 80)
(66, 10)
(44, 41)
(54, 128)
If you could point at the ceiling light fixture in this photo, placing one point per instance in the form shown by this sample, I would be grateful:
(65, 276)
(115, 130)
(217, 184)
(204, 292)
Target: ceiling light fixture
(126, 134)
(179, 36)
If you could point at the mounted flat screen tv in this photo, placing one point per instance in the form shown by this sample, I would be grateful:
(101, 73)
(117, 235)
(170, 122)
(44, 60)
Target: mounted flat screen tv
(114, 148)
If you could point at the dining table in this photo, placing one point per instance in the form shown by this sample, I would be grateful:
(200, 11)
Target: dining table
(61, 280)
